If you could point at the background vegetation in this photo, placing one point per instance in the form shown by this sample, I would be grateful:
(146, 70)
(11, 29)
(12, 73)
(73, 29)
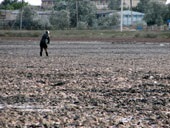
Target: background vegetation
(67, 14)
(86, 34)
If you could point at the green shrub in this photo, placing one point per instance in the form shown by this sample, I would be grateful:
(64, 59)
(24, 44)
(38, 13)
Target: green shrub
(150, 35)
(82, 25)
(137, 35)
(146, 35)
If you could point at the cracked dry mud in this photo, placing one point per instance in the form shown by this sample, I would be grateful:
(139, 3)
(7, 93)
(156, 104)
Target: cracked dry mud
(85, 84)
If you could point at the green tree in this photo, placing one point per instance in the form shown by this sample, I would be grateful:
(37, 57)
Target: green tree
(60, 5)
(86, 11)
(42, 23)
(27, 18)
(28, 15)
(114, 4)
(155, 14)
(167, 13)
(12, 4)
(108, 21)
(142, 6)
(60, 19)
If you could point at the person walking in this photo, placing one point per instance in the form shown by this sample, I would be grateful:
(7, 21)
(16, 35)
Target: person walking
(44, 41)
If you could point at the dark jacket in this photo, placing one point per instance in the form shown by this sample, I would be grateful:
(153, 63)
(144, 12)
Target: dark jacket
(45, 40)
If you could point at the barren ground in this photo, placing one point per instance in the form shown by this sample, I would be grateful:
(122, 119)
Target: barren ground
(85, 84)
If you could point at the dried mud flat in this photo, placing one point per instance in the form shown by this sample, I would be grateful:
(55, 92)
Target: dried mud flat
(85, 84)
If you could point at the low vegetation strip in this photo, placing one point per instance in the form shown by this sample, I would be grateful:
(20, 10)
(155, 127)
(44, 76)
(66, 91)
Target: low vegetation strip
(86, 34)
(89, 35)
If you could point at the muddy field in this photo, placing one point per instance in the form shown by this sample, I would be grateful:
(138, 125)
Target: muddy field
(85, 84)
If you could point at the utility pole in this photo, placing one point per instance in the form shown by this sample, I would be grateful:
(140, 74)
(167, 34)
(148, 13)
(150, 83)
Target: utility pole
(121, 22)
(21, 15)
(4, 24)
(77, 12)
(131, 12)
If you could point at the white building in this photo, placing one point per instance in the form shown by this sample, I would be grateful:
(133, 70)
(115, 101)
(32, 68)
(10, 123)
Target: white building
(132, 17)
(9, 14)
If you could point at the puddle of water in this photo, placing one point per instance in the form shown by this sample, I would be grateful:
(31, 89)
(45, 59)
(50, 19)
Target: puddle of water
(2, 106)
(28, 108)
(125, 120)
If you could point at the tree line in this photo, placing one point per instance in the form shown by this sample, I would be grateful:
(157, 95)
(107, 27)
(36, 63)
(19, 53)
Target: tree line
(67, 14)
(156, 13)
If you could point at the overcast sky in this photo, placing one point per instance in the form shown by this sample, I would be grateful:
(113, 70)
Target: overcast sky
(38, 2)
(168, 1)
(32, 2)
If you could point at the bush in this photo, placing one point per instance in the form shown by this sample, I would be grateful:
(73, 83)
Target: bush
(150, 35)
(137, 35)
(60, 20)
(146, 35)
(82, 25)
(108, 21)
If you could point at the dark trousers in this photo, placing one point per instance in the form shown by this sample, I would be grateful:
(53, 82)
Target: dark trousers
(43, 46)
(41, 51)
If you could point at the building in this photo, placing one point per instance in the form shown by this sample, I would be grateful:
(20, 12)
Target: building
(135, 2)
(128, 2)
(161, 1)
(132, 17)
(9, 15)
(104, 13)
(100, 4)
(47, 3)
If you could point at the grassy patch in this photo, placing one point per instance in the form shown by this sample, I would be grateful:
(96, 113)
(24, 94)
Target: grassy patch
(146, 35)
(86, 34)
(15, 33)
